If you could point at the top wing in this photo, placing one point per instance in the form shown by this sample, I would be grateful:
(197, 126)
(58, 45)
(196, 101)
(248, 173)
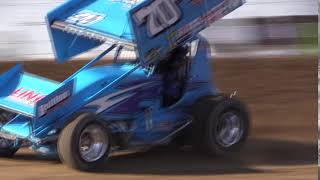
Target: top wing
(154, 26)
(162, 25)
(80, 25)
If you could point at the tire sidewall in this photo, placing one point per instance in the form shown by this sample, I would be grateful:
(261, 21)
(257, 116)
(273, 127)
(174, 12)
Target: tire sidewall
(86, 119)
(219, 109)
(8, 152)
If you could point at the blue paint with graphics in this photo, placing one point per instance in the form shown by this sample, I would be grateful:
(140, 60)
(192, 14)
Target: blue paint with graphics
(129, 97)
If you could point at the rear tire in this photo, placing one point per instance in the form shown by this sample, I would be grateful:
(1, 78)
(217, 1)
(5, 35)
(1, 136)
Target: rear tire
(6, 148)
(221, 125)
(84, 144)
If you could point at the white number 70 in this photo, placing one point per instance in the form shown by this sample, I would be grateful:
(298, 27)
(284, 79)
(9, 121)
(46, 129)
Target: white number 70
(159, 15)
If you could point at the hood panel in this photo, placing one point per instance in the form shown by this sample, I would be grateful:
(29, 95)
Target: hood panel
(97, 77)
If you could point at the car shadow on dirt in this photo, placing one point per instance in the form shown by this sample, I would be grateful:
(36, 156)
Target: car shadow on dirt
(258, 152)
(170, 161)
(33, 157)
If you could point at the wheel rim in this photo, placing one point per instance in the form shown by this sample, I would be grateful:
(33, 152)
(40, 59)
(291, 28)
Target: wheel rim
(93, 143)
(229, 130)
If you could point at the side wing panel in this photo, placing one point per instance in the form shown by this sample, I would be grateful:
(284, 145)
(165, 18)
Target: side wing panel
(162, 25)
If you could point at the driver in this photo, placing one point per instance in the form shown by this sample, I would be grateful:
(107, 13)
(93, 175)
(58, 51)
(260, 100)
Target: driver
(174, 70)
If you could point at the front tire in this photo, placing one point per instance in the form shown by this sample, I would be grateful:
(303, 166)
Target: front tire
(7, 149)
(84, 144)
(221, 125)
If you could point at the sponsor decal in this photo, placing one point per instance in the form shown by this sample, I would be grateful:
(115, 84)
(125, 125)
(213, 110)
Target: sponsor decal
(52, 103)
(159, 15)
(179, 36)
(25, 96)
(86, 18)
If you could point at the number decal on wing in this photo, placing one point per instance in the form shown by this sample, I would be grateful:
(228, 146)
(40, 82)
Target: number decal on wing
(159, 15)
(86, 18)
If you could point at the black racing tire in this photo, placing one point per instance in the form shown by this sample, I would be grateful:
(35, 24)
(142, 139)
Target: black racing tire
(69, 140)
(8, 152)
(211, 116)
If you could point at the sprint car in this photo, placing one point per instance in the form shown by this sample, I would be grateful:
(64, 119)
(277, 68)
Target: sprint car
(166, 93)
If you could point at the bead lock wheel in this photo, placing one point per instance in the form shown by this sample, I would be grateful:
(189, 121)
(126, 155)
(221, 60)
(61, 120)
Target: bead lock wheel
(229, 129)
(93, 143)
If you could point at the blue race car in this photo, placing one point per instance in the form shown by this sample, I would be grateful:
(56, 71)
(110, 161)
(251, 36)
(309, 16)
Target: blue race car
(165, 95)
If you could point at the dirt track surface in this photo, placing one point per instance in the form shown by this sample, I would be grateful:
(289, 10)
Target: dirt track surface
(282, 97)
